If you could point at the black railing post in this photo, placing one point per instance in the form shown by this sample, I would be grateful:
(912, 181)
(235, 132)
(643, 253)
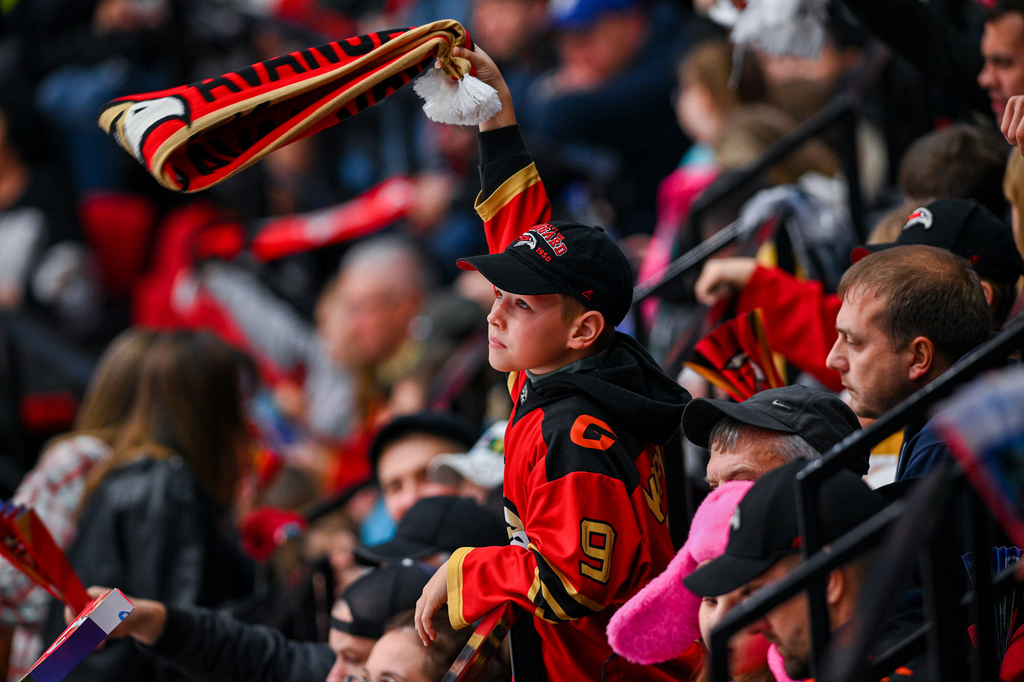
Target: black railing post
(982, 606)
(848, 156)
(941, 582)
(809, 521)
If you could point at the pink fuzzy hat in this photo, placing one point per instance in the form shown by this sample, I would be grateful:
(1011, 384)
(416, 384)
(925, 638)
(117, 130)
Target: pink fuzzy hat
(660, 621)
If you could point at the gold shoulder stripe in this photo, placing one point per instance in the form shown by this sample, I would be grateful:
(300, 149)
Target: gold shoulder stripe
(570, 589)
(518, 183)
(454, 578)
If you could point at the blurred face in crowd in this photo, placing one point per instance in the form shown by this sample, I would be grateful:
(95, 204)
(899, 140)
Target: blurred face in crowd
(596, 52)
(753, 456)
(696, 111)
(1002, 46)
(786, 626)
(402, 472)
(365, 318)
(748, 651)
(399, 655)
(876, 374)
(351, 651)
(508, 27)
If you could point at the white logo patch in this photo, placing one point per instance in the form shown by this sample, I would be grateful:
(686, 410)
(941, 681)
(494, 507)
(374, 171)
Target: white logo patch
(922, 217)
(734, 522)
(526, 239)
(141, 116)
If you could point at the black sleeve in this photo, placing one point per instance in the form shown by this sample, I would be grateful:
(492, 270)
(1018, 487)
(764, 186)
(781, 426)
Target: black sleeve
(946, 58)
(208, 646)
(502, 154)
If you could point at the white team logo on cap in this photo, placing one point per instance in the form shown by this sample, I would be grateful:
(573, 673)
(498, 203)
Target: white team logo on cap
(527, 239)
(922, 217)
(734, 522)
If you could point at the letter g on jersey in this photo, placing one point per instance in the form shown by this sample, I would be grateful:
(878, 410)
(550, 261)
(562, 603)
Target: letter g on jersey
(591, 432)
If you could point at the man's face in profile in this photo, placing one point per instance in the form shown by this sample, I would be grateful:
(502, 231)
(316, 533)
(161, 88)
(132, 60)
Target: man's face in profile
(1002, 46)
(872, 370)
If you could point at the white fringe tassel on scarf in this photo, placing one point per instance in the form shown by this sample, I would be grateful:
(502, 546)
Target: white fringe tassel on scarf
(466, 102)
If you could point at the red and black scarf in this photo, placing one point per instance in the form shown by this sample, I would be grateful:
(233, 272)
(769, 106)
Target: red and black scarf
(193, 136)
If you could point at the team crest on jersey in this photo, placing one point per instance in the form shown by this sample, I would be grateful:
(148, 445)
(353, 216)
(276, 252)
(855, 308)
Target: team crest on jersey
(922, 217)
(516, 531)
(522, 395)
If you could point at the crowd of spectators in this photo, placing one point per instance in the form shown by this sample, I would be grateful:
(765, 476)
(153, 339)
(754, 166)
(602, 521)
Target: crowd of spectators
(273, 454)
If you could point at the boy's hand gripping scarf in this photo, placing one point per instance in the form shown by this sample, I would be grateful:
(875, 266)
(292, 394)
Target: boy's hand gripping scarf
(193, 136)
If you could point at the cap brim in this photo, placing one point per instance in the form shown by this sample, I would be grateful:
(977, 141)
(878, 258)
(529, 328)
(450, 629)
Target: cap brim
(391, 552)
(701, 415)
(509, 273)
(485, 469)
(725, 574)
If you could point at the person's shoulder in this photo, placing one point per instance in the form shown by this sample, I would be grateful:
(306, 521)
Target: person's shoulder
(142, 481)
(583, 436)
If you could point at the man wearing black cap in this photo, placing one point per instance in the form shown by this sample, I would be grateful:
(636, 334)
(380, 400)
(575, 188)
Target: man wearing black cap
(401, 453)
(769, 429)
(584, 482)
(764, 546)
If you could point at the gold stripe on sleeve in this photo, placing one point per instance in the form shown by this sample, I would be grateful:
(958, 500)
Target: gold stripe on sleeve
(454, 579)
(515, 185)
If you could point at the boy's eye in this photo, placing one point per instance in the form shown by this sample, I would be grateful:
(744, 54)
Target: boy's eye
(710, 601)
(497, 294)
(522, 304)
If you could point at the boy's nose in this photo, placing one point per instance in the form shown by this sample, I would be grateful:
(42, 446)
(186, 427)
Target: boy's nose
(494, 317)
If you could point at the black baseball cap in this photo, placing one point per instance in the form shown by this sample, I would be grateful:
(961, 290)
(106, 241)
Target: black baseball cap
(764, 527)
(563, 258)
(819, 417)
(438, 524)
(966, 228)
(380, 595)
(429, 423)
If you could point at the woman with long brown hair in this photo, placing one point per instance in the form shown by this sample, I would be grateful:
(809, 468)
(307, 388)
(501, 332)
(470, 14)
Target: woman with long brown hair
(158, 520)
(55, 485)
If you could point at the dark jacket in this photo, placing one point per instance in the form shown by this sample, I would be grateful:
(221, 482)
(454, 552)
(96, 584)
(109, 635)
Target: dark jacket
(150, 530)
(210, 647)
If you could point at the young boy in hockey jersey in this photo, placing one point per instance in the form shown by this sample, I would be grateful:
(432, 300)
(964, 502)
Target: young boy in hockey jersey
(584, 475)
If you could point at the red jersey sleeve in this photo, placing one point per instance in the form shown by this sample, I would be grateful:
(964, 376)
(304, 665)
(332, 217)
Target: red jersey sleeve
(800, 319)
(512, 197)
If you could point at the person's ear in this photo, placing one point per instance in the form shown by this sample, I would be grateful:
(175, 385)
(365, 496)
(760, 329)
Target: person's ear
(987, 288)
(588, 329)
(922, 358)
(836, 588)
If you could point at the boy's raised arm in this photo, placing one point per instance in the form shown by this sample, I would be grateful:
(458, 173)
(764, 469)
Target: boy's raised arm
(512, 197)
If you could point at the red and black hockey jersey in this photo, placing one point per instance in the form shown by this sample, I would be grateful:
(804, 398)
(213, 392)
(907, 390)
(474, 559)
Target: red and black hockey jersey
(584, 480)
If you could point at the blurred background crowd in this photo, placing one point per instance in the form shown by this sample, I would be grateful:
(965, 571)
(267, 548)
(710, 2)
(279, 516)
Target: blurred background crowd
(318, 391)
